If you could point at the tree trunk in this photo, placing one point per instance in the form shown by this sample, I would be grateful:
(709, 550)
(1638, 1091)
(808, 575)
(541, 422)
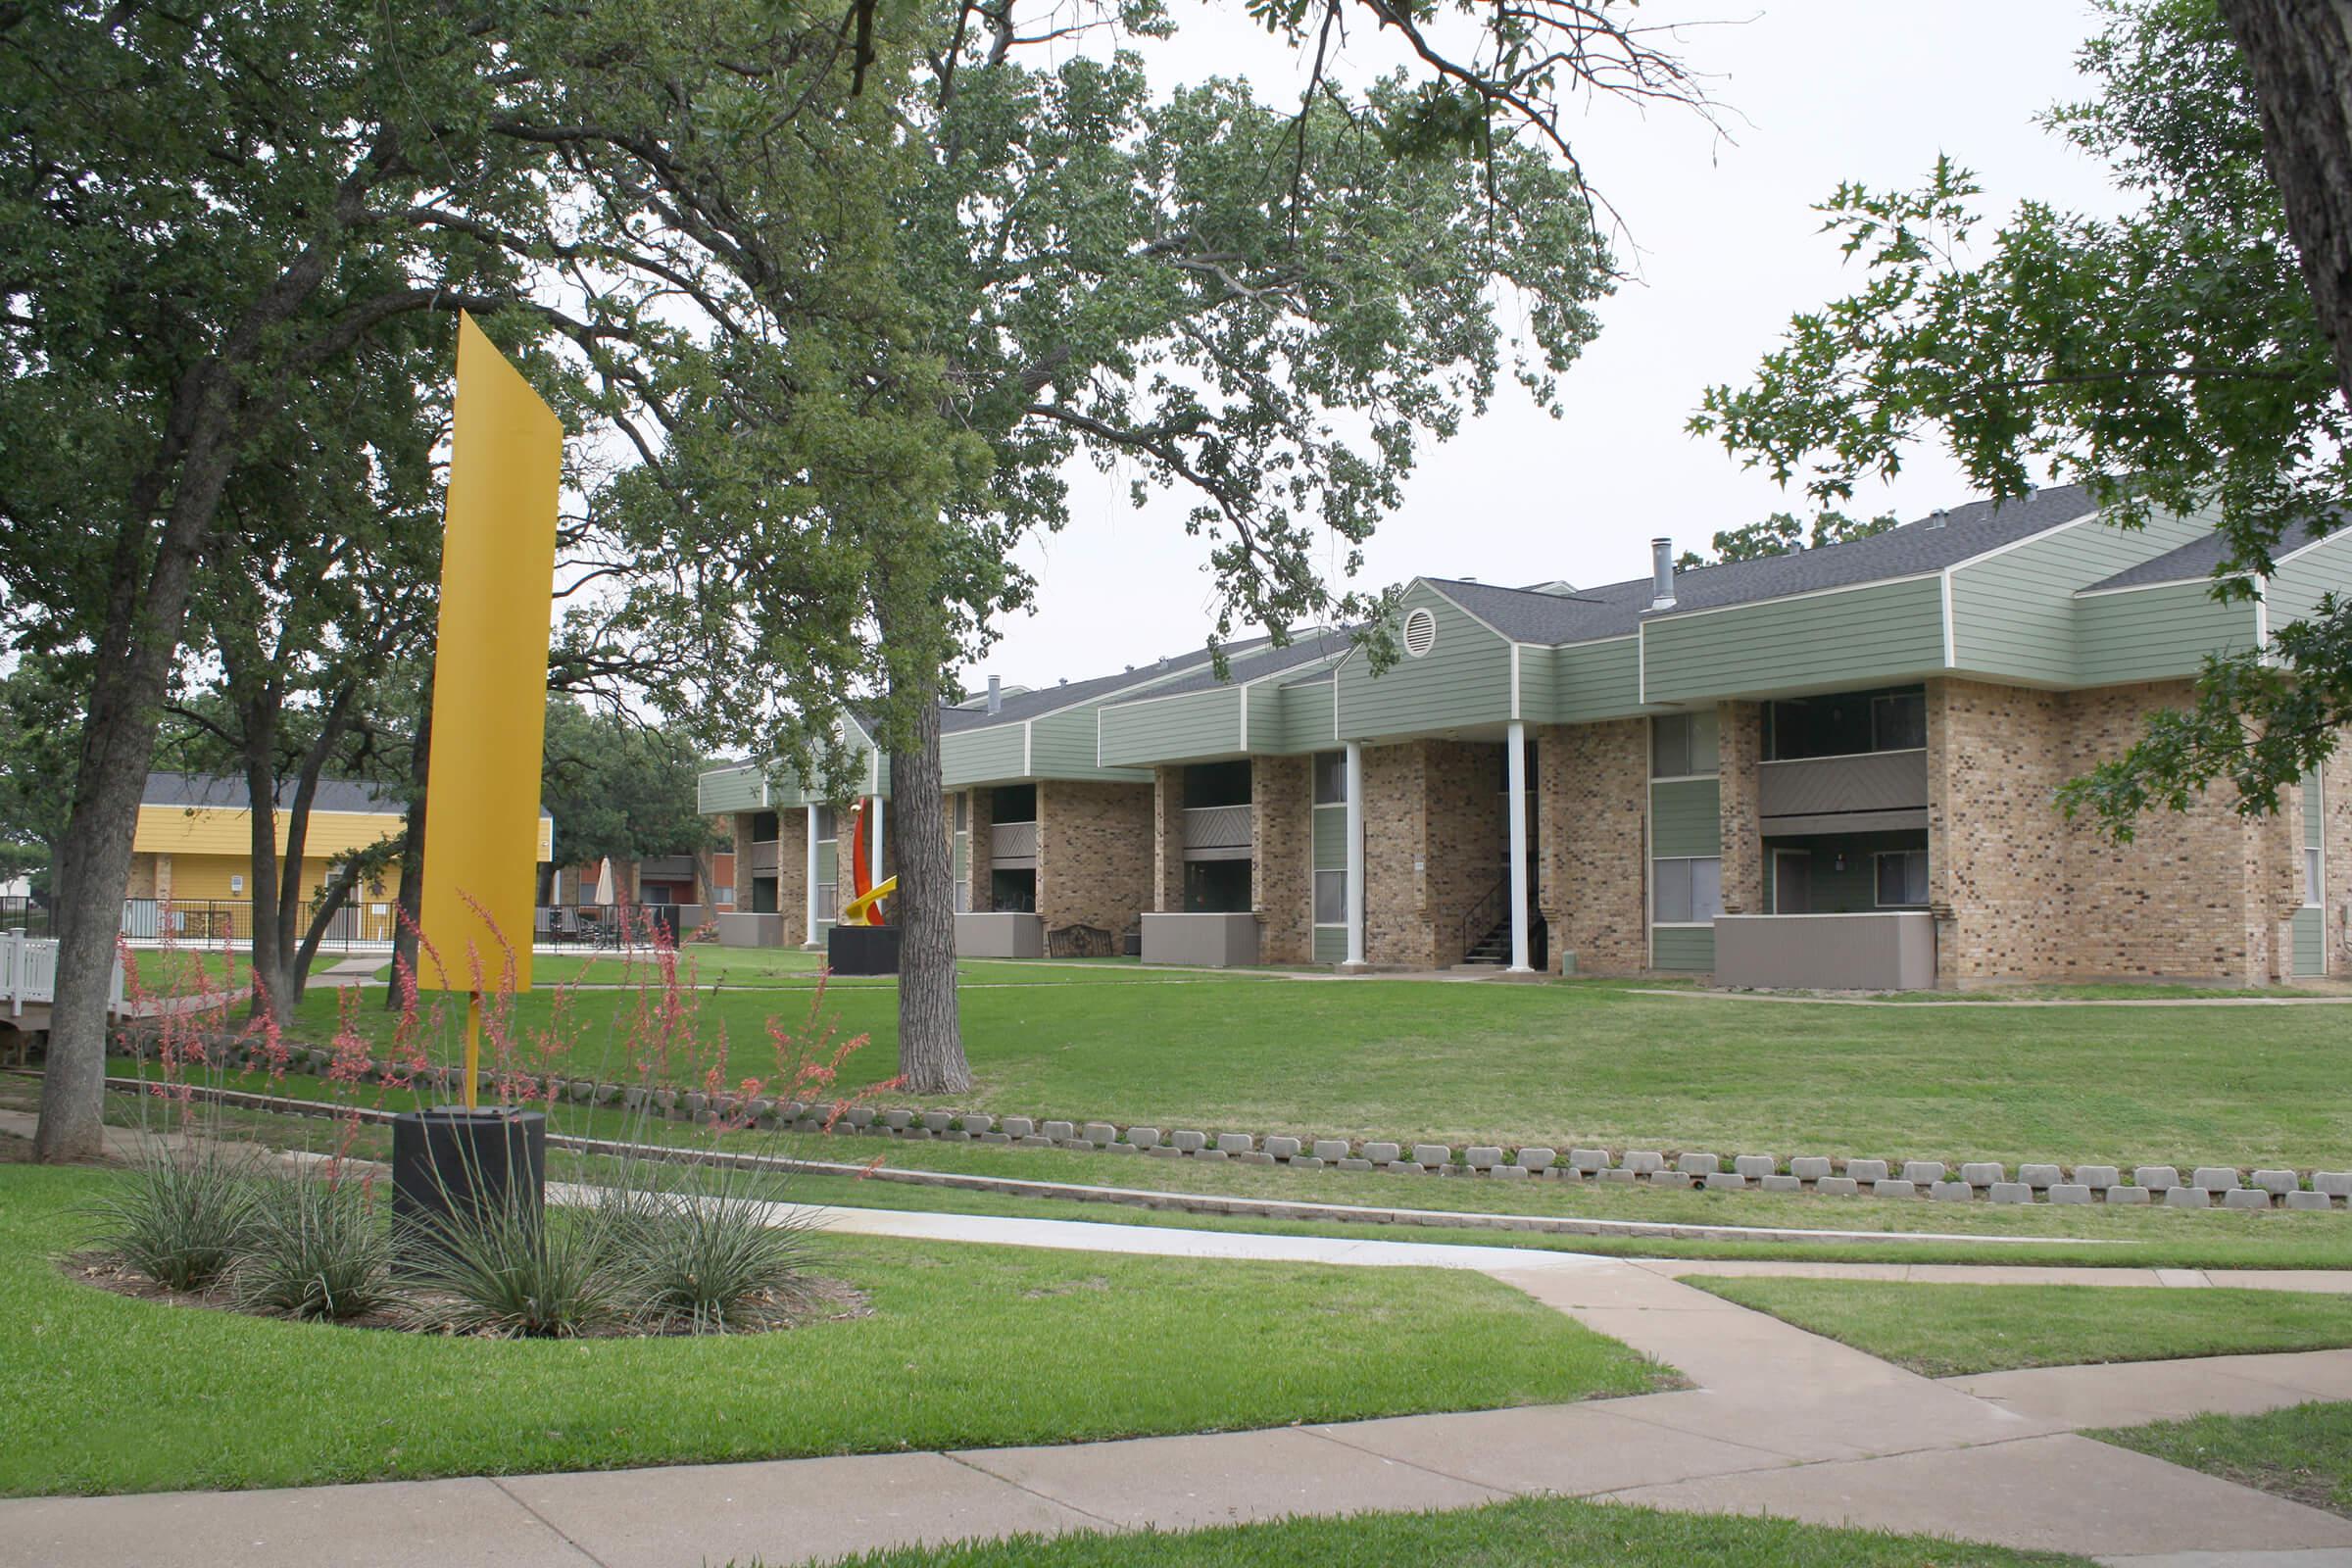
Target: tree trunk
(930, 1035)
(2299, 54)
(147, 608)
(412, 852)
(267, 900)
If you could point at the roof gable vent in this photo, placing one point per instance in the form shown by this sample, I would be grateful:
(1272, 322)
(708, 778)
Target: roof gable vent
(1420, 631)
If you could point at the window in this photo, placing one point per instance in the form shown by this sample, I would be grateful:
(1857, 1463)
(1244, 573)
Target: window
(1898, 722)
(722, 894)
(963, 804)
(1687, 892)
(1682, 745)
(1331, 898)
(1902, 878)
(1331, 778)
(963, 896)
(2311, 886)
(763, 827)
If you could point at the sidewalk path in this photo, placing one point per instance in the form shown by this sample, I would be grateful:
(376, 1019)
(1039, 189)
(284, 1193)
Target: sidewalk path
(1782, 1421)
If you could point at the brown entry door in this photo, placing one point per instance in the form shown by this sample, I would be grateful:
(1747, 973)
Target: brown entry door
(1791, 882)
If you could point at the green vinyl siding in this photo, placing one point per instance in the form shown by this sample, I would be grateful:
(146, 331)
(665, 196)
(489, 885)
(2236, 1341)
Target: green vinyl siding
(1539, 683)
(2296, 586)
(981, 755)
(1331, 944)
(1851, 637)
(1594, 681)
(1304, 724)
(1682, 947)
(828, 859)
(2311, 942)
(1168, 729)
(961, 858)
(1331, 837)
(728, 789)
(2014, 614)
(1063, 746)
(1465, 677)
(1685, 818)
(2154, 633)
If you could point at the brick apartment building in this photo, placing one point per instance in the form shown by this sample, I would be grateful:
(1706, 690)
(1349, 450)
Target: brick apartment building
(1829, 768)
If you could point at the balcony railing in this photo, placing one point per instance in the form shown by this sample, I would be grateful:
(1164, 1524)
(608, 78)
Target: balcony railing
(763, 855)
(1841, 786)
(1216, 833)
(1012, 844)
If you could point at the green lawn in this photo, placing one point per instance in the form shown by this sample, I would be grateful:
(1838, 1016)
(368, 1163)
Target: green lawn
(1947, 1330)
(1575, 1062)
(966, 1346)
(2304, 1452)
(1528, 1533)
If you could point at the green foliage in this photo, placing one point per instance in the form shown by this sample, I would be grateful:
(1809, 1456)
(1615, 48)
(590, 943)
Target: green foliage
(317, 1248)
(620, 789)
(709, 1257)
(2170, 359)
(509, 1270)
(40, 730)
(180, 1216)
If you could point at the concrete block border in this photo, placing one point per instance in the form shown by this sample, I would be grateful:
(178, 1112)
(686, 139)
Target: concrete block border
(2206, 1187)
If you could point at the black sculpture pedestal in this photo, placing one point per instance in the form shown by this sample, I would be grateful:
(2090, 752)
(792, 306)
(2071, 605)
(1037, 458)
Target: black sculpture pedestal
(451, 1165)
(862, 950)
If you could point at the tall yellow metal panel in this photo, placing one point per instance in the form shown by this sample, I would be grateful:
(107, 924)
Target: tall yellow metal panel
(498, 565)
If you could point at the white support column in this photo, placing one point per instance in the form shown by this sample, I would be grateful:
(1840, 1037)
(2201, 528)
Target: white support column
(873, 844)
(809, 926)
(1355, 852)
(1515, 747)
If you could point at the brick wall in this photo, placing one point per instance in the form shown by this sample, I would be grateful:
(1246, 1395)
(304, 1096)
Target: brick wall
(979, 865)
(1167, 839)
(1740, 733)
(1282, 860)
(1396, 933)
(2023, 893)
(2336, 849)
(1467, 844)
(1591, 832)
(792, 875)
(1094, 854)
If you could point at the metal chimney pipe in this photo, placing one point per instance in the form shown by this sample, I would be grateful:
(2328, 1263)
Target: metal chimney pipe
(1661, 574)
(996, 694)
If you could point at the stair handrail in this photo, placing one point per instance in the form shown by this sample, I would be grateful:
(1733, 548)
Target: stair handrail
(1491, 905)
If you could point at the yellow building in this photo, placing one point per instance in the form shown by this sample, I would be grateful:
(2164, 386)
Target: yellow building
(193, 852)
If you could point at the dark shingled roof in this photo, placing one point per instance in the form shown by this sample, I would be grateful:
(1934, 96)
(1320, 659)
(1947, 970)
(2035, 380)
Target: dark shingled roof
(1256, 663)
(2193, 561)
(210, 790)
(1616, 609)
(1052, 699)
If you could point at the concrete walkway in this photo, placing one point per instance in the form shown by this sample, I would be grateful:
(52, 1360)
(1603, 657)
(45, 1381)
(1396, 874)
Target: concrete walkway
(1781, 1421)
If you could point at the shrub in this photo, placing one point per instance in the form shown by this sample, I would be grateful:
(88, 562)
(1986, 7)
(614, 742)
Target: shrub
(507, 1271)
(711, 1261)
(180, 1216)
(317, 1248)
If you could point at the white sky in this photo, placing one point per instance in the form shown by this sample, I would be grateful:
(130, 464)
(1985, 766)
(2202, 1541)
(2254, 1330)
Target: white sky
(1821, 90)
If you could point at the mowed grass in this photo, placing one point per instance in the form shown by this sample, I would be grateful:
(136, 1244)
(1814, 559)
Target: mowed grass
(1582, 1063)
(2303, 1452)
(1526, 1532)
(965, 1345)
(1949, 1329)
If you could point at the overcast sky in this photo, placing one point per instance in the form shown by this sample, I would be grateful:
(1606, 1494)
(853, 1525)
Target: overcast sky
(1822, 90)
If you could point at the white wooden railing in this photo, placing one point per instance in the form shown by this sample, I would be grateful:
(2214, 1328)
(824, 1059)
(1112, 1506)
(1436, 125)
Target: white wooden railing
(28, 974)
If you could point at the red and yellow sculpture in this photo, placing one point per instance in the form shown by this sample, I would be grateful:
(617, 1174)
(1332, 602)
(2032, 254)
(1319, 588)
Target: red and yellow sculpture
(865, 908)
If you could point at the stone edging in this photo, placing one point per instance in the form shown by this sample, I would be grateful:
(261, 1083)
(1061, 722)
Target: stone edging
(2205, 1186)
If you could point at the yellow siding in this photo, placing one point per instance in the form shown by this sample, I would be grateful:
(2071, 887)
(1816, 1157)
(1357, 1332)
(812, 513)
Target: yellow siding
(178, 830)
(199, 877)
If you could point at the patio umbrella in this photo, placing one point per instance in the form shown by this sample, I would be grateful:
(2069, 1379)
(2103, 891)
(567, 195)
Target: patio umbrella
(603, 882)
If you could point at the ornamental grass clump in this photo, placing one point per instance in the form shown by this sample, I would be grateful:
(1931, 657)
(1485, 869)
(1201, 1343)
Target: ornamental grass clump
(181, 1217)
(513, 1271)
(316, 1249)
(711, 1263)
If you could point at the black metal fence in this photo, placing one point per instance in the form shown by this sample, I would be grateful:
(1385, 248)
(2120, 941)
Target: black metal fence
(18, 912)
(612, 925)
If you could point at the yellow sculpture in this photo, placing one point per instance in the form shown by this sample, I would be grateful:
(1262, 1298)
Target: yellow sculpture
(498, 566)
